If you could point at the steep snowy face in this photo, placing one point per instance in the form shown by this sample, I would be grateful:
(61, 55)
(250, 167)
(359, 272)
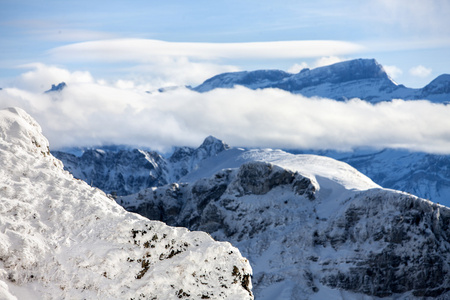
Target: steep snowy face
(360, 78)
(312, 227)
(62, 239)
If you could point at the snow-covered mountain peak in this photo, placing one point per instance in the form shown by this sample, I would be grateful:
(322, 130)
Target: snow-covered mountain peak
(62, 239)
(213, 146)
(440, 85)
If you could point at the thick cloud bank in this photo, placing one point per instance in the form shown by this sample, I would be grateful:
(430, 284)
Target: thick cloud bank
(89, 112)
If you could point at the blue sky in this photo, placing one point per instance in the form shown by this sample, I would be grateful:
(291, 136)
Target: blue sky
(111, 52)
(410, 38)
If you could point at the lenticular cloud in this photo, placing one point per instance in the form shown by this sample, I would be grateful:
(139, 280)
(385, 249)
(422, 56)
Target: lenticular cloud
(91, 113)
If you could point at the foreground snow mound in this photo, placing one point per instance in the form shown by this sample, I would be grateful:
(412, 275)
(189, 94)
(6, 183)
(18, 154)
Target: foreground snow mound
(61, 239)
(312, 227)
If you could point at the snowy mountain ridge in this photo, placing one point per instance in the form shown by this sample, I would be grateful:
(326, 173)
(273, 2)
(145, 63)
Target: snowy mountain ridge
(360, 78)
(126, 172)
(62, 239)
(312, 227)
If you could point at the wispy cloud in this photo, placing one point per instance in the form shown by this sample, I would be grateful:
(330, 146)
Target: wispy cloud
(393, 71)
(92, 112)
(144, 50)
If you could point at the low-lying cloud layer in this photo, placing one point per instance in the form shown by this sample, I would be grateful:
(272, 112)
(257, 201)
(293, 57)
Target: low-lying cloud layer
(90, 112)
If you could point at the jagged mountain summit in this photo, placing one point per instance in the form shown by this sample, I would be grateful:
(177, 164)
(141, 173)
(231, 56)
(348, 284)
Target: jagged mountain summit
(62, 239)
(360, 78)
(312, 227)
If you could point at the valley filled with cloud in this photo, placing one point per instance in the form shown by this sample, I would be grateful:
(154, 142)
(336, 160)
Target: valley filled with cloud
(94, 112)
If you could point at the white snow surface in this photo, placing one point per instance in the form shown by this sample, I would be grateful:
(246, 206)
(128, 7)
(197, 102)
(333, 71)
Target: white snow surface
(62, 239)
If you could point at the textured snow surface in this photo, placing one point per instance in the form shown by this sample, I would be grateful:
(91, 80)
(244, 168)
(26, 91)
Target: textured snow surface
(62, 239)
(312, 227)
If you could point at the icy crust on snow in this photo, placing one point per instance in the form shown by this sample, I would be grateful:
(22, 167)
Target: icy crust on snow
(312, 227)
(61, 239)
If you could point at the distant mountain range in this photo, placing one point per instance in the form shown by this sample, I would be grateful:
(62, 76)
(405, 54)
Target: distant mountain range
(360, 78)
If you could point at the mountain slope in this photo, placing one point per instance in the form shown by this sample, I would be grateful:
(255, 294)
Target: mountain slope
(61, 239)
(312, 227)
(360, 78)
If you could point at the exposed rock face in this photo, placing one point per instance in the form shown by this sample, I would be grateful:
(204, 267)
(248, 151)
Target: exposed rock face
(414, 239)
(305, 235)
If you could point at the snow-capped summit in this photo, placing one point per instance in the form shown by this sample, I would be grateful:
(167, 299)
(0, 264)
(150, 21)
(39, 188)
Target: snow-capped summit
(360, 78)
(62, 239)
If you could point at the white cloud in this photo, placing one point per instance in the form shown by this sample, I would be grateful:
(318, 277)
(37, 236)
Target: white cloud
(41, 77)
(144, 50)
(326, 61)
(175, 63)
(420, 71)
(393, 71)
(88, 113)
